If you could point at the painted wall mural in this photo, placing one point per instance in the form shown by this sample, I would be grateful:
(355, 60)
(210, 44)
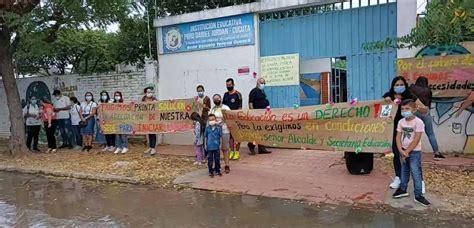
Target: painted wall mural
(451, 121)
(310, 89)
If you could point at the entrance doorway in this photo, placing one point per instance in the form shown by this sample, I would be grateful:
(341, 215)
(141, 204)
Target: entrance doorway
(339, 79)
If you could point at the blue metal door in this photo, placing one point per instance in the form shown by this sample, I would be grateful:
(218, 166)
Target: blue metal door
(333, 33)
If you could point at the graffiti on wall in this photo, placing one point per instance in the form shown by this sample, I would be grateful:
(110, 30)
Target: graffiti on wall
(452, 117)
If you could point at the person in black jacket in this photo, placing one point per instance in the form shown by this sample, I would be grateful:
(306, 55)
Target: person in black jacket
(258, 100)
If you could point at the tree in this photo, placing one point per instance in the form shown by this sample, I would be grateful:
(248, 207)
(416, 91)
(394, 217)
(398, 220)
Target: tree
(22, 19)
(447, 22)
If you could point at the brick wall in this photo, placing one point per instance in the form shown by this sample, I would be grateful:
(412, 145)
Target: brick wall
(130, 84)
(325, 88)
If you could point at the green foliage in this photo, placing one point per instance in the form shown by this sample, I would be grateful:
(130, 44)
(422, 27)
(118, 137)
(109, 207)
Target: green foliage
(446, 23)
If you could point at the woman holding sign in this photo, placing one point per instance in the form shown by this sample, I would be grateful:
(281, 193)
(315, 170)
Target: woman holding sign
(398, 92)
(148, 97)
(88, 112)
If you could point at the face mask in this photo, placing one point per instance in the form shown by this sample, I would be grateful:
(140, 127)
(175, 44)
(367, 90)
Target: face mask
(58, 97)
(117, 98)
(217, 103)
(261, 86)
(104, 98)
(230, 88)
(33, 102)
(212, 122)
(201, 94)
(149, 95)
(399, 89)
(88, 98)
(407, 114)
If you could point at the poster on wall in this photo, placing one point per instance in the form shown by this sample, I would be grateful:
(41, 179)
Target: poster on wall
(448, 76)
(310, 89)
(280, 70)
(364, 127)
(168, 116)
(209, 34)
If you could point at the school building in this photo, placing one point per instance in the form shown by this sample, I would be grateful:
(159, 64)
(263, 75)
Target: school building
(326, 38)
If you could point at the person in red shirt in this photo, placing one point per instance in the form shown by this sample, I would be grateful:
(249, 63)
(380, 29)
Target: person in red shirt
(50, 123)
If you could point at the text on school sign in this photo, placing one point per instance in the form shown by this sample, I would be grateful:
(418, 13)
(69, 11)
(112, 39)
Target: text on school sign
(364, 127)
(147, 118)
(209, 34)
(448, 76)
(280, 70)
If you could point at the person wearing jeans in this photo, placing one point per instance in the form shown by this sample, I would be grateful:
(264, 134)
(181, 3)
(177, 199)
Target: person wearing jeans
(62, 105)
(33, 123)
(121, 141)
(75, 119)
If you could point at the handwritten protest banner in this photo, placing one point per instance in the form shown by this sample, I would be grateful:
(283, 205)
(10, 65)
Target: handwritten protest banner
(448, 76)
(147, 118)
(281, 70)
(363, 127)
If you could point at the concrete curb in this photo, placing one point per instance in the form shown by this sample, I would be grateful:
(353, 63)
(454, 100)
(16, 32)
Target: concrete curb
(85, 176)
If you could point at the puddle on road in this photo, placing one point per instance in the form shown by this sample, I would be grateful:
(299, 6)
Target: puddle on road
(27, 200)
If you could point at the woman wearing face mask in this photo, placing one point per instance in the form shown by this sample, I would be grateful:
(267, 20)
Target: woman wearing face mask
(109, 138)
(50, 124)
(423, 92)
(148, 97)
(120, 140)
(217, 111)
(88, 111)
(205, 102)
(75, 113)
(398, 90)
(32, 113)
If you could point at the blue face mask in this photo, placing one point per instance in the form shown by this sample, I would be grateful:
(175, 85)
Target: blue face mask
(399, 89)
(407, 114)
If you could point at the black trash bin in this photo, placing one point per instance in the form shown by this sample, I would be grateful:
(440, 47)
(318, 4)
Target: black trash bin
(360, 163)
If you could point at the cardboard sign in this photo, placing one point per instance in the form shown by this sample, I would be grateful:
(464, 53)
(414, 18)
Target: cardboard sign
(363, 127)
(448, 76)
(147, 117)
(281, 70)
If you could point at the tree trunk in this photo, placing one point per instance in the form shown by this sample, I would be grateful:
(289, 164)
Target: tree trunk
(17, 143)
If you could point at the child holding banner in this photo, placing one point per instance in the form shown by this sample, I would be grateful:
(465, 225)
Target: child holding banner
(409, 132)
(199, 129)
(148, 97)
(213, 140)
(121, 141)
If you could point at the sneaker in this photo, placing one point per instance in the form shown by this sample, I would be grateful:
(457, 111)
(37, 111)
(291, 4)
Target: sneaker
(423, 189)
(227, 169)
(211, 175)
(111, 149)
(48, 151)
(219, 174)
(399, 194)
(124, 150)
(231, 155)
(77, 148)
(118, 150)
(199, 163)
(396, 183)
(236, 155)
(36, 150)
(195, 163)
(63, 146)
(84, 148)
(147, 151)
(423, 201)
(152, 152)
(438, 157)
(53, 150)
(105, 149)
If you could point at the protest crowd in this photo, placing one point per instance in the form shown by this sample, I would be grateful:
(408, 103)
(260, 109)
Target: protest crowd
(78, 122)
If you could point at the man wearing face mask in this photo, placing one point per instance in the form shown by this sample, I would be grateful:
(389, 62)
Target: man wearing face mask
(258, 100)
(233, 99)
(217, 111)
(32, 114)
(205, 102)
(62, 105)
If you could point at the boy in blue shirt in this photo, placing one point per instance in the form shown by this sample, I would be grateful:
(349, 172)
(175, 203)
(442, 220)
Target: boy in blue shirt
(213, 140)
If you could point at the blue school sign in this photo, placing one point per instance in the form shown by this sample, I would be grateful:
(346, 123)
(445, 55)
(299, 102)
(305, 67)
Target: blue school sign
(209, 34)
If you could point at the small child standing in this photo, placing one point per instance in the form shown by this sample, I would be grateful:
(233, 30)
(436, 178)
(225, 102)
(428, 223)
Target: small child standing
(213, 140)
(199, 129)
(409, 132)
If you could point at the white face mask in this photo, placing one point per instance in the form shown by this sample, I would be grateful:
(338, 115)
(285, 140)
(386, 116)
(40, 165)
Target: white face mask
(88, 98)
(117, 98)
(149, 95)
(104, 98)
(261, 86)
